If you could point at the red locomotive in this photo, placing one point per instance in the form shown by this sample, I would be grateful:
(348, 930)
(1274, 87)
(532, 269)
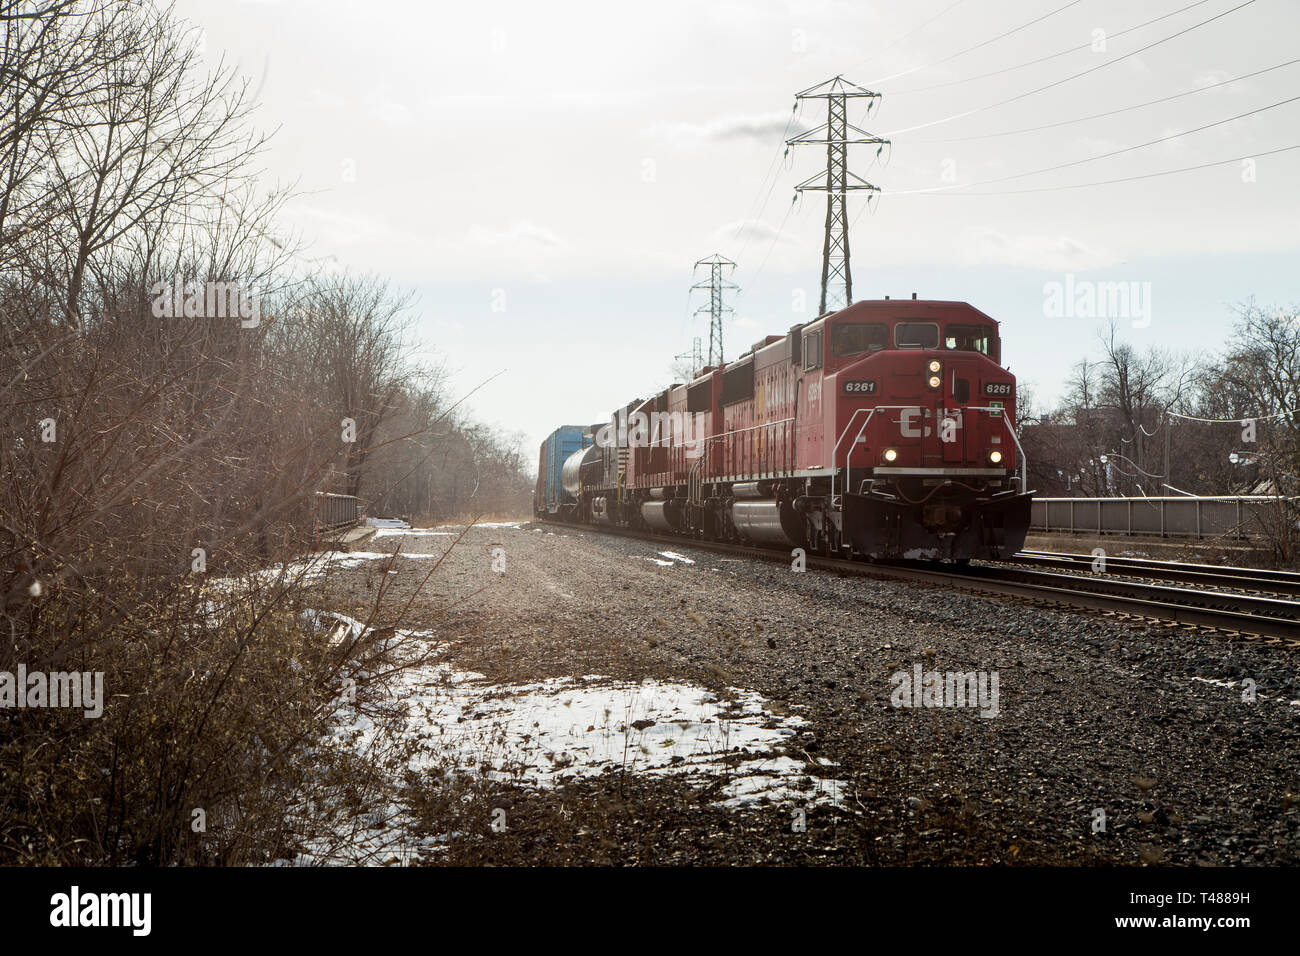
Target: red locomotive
(885, 430)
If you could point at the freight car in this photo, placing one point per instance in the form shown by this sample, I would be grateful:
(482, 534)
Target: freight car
(885, 430)
(549, 497)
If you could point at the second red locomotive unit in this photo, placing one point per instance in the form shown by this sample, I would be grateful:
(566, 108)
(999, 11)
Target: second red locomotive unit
(884, 430)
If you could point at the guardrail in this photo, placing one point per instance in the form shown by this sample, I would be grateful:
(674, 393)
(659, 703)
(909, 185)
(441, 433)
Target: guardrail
(335, 512)
(1232, 516)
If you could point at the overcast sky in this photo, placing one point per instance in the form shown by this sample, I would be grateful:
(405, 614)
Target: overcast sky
(569, 162)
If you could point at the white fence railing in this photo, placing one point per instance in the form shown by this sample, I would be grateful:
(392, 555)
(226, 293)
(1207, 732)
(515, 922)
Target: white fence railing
(1233, 516)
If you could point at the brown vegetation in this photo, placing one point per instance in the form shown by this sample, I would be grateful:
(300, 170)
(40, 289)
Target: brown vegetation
(157, 453)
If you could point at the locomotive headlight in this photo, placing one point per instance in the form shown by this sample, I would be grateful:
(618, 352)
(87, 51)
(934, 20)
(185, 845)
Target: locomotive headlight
(935, 381)
(995, 456)
(891, 454)
(934, 365)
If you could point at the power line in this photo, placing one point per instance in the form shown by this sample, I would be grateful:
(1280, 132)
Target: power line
(1231, 421)
(1050, 56)
(1123, 179)
(1093, 159)
(977, 46)
(1075, 76)
(755, 217)
(912, 33)
(1116, 112)
(775, 238)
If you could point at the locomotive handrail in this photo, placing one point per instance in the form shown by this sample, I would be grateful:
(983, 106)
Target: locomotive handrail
(694, 482)
(737, 431)
(852, 418)
(1024, 463)
(704, 453)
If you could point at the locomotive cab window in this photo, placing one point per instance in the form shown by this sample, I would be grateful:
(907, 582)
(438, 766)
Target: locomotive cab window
(916, 335)
(854, 338)
(812, 350)
(971, 338)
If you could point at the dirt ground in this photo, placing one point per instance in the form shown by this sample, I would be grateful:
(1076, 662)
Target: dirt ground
(1113, 742)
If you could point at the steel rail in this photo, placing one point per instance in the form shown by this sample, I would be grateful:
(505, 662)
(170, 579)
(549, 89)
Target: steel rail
(1256, 579)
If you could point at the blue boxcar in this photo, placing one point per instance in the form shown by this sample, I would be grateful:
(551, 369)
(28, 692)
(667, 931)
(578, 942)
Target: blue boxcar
(550, 495)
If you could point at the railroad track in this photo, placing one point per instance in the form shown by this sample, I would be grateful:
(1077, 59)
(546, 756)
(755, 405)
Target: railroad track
(1250, 602)
(1259, 580)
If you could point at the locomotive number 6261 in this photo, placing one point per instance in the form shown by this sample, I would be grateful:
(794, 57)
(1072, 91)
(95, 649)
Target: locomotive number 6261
(860, 387)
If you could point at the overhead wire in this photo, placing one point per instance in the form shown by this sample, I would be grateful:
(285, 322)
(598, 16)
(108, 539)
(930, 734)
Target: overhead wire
(977, 46)
(1050, 56)
(1108, 113)
(1233, 421)
(1099, 156)
(907, 36)
(755, 216)
(1072, 77)
(1122, 179)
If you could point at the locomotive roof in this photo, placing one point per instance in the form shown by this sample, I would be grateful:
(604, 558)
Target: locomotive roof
(874, 309)
(901, 309)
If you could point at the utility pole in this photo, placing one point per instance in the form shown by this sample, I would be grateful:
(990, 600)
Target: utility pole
(837, 134)
(716, 285)
(1168, 429)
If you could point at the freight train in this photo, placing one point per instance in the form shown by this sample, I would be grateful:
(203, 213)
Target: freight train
(885, 430)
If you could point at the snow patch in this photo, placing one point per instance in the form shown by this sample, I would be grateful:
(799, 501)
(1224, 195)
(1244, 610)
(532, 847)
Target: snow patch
(486, 524)
(1236, 685)
(413, 533)
(544, 733)
(732, 747)
(384, 523)
(340, 628)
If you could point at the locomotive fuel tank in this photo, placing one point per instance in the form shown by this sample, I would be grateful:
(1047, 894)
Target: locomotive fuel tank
(663, 516)
(767, 522)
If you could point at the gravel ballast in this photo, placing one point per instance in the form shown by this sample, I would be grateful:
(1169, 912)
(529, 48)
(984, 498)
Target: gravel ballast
(1114, 742)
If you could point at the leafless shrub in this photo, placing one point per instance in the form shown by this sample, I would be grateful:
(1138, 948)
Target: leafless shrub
(157, 461)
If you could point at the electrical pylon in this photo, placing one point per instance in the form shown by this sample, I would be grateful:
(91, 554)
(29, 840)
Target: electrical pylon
(695, 355)
(837, 134)
(716, 286)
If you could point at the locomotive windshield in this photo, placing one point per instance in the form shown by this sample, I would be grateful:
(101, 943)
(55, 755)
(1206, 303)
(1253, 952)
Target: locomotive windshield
(917, 335)
(854, 338)
(969, 338)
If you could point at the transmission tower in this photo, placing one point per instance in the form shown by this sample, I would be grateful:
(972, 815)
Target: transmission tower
(716, 285)
(695, 356)
(837, 134)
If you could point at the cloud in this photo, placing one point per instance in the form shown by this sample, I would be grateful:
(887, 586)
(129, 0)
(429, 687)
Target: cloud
(767, 127)
(520, 231)
(984, 246)
(335, 227)
(1211, 77)
(747, 230)
(1096, 145)
(387, 110)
